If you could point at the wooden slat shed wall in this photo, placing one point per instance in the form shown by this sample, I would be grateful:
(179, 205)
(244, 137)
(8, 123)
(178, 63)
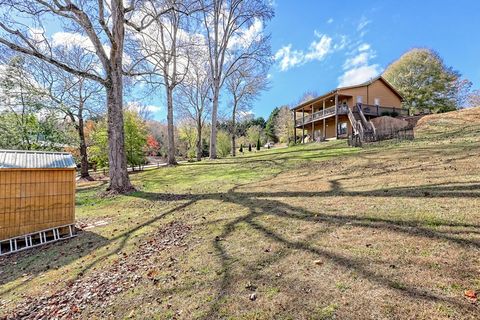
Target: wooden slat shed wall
(35, 199)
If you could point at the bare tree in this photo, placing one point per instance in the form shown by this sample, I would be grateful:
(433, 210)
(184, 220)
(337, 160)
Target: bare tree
(284, 124)
(193, 96)
(473, 99)
(165, 43)
(306, 96)
(231, 34)
(103, 23)
(244, 86)
(78, 98)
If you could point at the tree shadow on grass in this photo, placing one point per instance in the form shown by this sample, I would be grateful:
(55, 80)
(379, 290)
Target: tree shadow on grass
(264, 204)
(261, 204)
(30, 263)
(263, 207)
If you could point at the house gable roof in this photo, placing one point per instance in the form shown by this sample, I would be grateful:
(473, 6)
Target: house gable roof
(369, 82)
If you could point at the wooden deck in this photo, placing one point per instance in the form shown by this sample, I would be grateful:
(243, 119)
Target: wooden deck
(368, 110)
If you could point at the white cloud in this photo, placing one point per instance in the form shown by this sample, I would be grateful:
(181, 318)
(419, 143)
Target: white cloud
(330, 20)
(358, 60)
(363, 23)
(339, 45)
(363, 47)
(358, 68)
(248, 35)
(70, 40)
(153, 108)
(288, 58)
(359, 75)
(319, 48)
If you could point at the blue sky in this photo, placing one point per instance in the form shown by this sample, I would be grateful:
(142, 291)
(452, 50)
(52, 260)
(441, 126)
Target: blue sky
(318, 42)
(322, 44)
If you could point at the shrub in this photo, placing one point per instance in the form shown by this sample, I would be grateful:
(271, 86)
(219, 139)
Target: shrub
(258, 144)
(241, 148)
(223, 144)
(249, 147)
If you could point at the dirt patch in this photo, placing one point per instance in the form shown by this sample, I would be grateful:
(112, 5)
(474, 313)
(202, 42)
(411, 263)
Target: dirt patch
(97, 289)
(87, 225)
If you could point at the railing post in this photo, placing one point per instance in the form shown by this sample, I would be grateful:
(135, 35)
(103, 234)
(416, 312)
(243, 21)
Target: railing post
(323, 115)
(336, 116)
(295, 126)
(303, 125)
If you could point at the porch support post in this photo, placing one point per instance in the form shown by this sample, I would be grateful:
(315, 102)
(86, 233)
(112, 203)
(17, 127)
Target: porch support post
(294, 126)
(303, 125)
(324, 127)
(313, 131)
(323, 131)
(336, 115)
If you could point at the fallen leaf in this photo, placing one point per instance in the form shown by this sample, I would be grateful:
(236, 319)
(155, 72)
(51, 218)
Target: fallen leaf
(471, 295)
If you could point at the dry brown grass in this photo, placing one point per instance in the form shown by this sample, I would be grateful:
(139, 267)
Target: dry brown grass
(389, 232)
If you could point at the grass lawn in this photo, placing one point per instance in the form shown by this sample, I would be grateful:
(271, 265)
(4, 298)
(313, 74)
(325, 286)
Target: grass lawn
(319, 231)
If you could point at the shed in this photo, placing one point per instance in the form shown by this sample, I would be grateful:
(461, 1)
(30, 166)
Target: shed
(37, 198)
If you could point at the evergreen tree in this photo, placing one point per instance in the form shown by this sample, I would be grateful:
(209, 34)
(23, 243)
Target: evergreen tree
(258, 144)
(249, 147)
(241, 148)
(270, 126)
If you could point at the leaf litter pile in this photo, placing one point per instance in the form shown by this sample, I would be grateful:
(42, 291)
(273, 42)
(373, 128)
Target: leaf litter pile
(98, 288)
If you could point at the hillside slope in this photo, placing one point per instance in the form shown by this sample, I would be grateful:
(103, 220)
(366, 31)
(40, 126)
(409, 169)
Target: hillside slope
(460, 124)
(318, 231)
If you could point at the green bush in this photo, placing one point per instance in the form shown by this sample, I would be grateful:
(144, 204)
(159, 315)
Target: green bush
(223, 144)
(241, 148)
(258, 144)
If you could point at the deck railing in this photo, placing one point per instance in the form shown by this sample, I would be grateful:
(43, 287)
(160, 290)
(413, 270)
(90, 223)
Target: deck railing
(316, 116)
(371, 110)
(367, 109)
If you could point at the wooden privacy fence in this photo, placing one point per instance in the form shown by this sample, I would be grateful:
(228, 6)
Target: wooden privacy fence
(400, 134)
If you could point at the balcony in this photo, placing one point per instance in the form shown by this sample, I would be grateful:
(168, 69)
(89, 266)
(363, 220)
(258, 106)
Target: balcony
(378, 111)
(368, 110)
(322, 114)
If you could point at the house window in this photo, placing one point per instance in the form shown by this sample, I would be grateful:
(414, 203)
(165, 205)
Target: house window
(359, 99)
(342, 128)
(376, 101)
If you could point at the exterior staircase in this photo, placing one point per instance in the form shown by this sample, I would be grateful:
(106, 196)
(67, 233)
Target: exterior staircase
(363, 130)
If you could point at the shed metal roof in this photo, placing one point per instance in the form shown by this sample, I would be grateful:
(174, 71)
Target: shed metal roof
(25, 159)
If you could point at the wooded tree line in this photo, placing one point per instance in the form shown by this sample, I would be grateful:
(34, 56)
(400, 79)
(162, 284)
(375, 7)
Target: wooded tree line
(190, 52)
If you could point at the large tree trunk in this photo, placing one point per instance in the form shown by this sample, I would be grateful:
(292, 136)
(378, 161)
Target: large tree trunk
(83, 151)
(213, 134)
(117, 160)
(171, 134)
(199, 139)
